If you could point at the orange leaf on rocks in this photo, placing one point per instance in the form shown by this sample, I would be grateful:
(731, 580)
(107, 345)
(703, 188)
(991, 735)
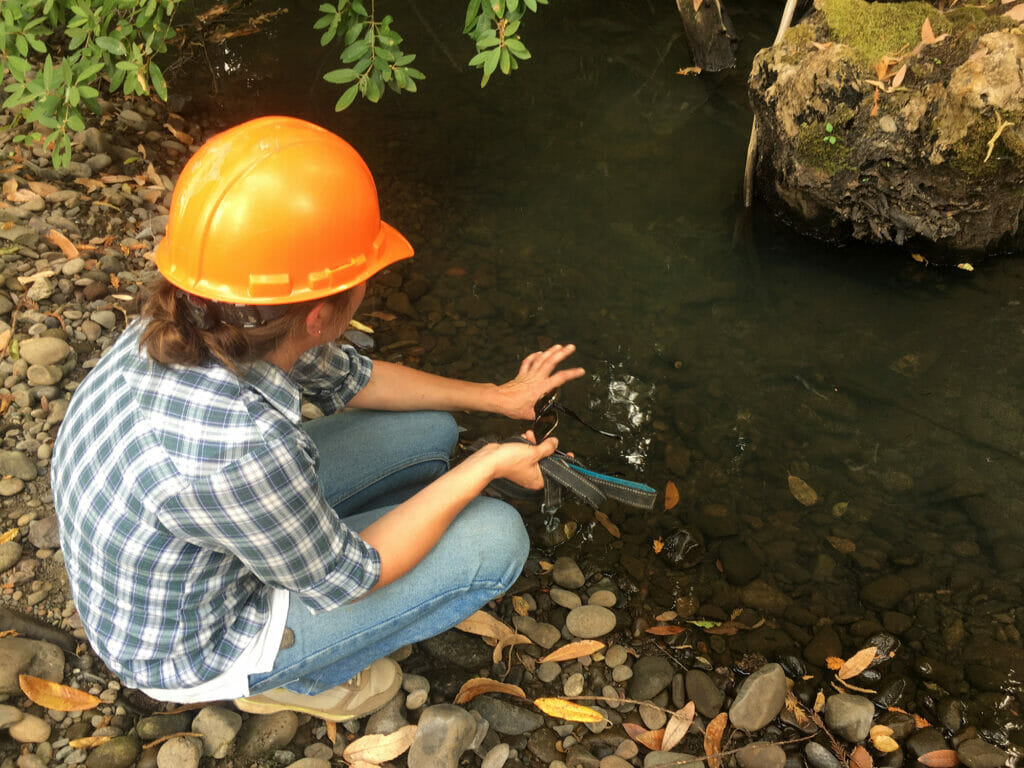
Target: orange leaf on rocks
(51, 695)
(921, 722)
(377, 748)
(860, 758)
(678, 725)
(485, 625)
(939, 758)
(607, 524)
(89, 742)
(650, 739)
(479, 685)
(181, 136)
(520, 605)
(857, 663)
(658, 545)
(575, 650)
(671, 495)
(713, 738)
(8, 535)
(9, 187)
(332, 731)
(66, 246)
(665, 629)
(568, 710)
(834, 663)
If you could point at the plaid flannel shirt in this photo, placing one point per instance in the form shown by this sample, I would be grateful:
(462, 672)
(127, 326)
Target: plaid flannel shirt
(185, 493)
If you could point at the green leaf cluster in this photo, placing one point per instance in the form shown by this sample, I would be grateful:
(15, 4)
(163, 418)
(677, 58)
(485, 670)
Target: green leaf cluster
(494, 26)
(372, 55)
(60, 53)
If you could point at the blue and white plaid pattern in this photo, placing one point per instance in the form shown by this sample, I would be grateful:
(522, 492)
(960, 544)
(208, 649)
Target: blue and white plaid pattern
(184, 494)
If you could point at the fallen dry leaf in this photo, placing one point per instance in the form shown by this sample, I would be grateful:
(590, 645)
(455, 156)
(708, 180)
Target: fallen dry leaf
(689, 71)
(8, 536)
(884, 743)
(802, 492)
(821, 46)
(842, 545)
(377, 748)
(658, 545)
(677, 727)
(169, 736)
(22, 196)
(897, 79)
(90, 184)
(1016, 13)
(666, 616)
(332, 731)
(713, 738)
(861, 758)
(857, 663)
(42, 188)
(480, 685)
(181, 136)
(665, 629)
(545, 566)
(921, 722)
(568, 710)
(927, 33)
(884, 730)
(671, 495)
(485, 625)
(66, 246)
(50, 695)
(697, 4)
(89, 742)
(607, 524)
(819, 701)
(9, 187)
(939, 758)
(520, 605)
(650, 739)
(575, 650)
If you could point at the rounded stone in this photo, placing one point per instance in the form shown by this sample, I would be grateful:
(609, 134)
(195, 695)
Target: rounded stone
(10, 554)
(119, 752)
(849, 716)
(651, 675)
(44, 375)
(761, 754)
(616, 656)
(44, 350)
(17, 464)
(574, 685)
(30, 730)
(759, 699)
(180, 752)
(565, 598)
(590, 621)
(218, 727)
(603, 597)
(567, 574)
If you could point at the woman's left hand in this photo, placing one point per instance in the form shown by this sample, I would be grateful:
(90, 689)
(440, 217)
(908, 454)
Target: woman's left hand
(537, 376)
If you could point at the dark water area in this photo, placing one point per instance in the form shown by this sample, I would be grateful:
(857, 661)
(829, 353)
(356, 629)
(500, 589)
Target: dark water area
(595, 197)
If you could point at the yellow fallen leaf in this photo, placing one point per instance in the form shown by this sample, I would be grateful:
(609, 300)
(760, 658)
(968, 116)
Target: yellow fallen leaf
(658, 545)
(568, 710)
(939, 758)
(377, 748)
(819, 701)
(545, 566)
(650, 739)
(689, 71)
(480, 685)
(965, 266)
(802, 492)
(8, 535)
(520, 605)
(666, 616)
(572, 651)
(89, 742)
(360, 326)
(919, 258)
(884, 743)
(51, 695)
(884, 730)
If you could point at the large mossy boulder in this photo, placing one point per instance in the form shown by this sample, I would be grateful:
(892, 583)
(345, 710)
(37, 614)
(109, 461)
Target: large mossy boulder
(875, 125)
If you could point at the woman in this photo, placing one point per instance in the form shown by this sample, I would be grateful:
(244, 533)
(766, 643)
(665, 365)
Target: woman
(199, 519)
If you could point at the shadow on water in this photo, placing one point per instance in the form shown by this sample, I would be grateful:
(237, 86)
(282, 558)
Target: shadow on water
(595, 198)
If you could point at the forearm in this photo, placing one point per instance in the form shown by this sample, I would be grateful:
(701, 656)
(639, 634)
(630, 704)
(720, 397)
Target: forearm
(399, 388)
(408, 532)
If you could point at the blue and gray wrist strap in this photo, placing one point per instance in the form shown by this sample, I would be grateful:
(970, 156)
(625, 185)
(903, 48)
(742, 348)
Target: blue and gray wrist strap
(562, 471)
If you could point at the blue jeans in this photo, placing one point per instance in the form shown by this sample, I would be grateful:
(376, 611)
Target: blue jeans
(371, 461)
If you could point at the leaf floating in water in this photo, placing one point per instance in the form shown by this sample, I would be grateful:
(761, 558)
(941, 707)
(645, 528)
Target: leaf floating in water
(666, 616)
(665, 629)
(50, 695)
(704, 623)
(479, 685)
(839, 509)
(572, 651)
(689, 71)
(919, 258)
(677, 727)
(607, 524)
(939, 758)
(713, 738)
(671, 495)
(857, 663)
(658, 545)
(965, 266)
(802, 492)
(568, 710)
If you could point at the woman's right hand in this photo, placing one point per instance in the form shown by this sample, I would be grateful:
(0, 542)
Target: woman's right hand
(518, 462)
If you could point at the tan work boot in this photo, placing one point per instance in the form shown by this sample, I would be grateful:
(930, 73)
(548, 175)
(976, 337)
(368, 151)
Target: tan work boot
(364, 694)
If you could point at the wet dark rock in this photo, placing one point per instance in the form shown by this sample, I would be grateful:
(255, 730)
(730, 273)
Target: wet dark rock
(567, 573)
(578, 756)
(651, 675)
(444, 732)
(885, 592)
(825, 643)
(760, 754)
(150, 728)
(543, 745)
(893, 759)
(976, 753)
(119, 752)
(849, 716)
(901, 723)
(950, 713)
(886, 644)
(684, 548)
(388, 718)
(458, 649)
(896, 622)
(717, 521)
(739, 563)
(820, 757)
(759, 699)
(261, 733)
(895, 691)
(506, 718)
(924, 741)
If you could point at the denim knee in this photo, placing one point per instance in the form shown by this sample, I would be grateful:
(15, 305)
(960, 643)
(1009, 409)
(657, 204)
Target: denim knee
(498, 543)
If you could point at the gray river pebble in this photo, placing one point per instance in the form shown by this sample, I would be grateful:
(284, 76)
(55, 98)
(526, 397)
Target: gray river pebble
(567, 574)
(590, 621)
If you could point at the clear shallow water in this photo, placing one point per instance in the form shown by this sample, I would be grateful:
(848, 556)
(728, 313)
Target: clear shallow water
(595, 198)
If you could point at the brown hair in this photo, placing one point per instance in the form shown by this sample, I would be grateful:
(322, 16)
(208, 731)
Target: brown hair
(172, 336)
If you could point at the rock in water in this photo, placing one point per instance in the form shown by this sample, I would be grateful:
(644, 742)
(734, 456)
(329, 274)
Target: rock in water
(759, 699)
(849, 716)
(445, 731)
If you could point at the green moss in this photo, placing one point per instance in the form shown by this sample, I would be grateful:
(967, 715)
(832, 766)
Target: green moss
(969, 153)
(874, 30)
(795, 43)
(812, 148)
(980, 19)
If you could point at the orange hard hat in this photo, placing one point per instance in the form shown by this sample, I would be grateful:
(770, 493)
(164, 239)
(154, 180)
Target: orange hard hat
(275, 211)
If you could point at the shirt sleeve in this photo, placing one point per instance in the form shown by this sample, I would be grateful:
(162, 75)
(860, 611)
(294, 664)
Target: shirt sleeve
(330, 375)
(267, 510)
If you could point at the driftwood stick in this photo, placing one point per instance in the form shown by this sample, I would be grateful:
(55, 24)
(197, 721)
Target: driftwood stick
(748, 172)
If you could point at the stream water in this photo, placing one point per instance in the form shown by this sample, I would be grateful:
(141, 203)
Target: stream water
(594, 197)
